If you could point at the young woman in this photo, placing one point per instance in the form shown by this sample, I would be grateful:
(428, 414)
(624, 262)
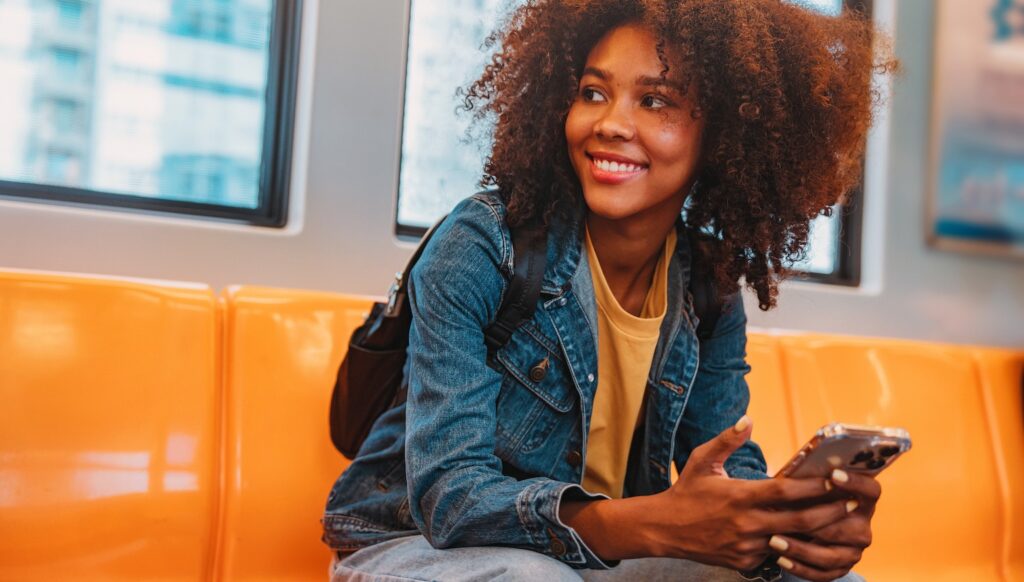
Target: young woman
(624, 126)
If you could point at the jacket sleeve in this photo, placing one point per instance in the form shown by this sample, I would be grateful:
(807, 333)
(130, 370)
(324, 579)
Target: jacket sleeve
(458, 495)
(719, 396)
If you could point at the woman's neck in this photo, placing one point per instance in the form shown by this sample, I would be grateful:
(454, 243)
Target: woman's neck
(628, 252)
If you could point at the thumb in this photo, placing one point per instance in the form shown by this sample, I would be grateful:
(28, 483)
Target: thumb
(709, 458)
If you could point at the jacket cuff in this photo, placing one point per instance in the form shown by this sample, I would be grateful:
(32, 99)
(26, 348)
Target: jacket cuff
(538, 507)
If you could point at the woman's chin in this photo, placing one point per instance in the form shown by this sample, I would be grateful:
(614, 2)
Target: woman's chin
(610, 207)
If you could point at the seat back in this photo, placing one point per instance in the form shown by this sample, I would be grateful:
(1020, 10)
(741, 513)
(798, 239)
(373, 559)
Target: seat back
(282, 351)
(1002, 380)
(107, 428)
(770, 401)
(146, 435)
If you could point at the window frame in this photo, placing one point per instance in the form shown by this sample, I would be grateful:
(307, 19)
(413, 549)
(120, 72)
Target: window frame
(847, 271)
(276, 157)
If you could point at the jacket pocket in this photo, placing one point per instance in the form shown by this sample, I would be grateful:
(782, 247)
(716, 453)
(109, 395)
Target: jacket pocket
(539, 368)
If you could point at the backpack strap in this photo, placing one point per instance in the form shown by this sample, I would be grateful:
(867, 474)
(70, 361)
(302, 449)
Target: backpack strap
(529, 258)
(400, 287)
(706, 302)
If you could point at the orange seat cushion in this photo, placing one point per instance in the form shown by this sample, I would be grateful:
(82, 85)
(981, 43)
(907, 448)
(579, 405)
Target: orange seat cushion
(283, 349)
(107, 428)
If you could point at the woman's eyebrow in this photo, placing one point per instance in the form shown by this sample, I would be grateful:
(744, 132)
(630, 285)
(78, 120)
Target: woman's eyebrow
(648, 81)
(642, 80)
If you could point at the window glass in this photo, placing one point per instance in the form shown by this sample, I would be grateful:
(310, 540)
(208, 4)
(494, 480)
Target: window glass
(163, 99)
(831, 7)
(439, 165)
(65, 116)
(69, 13)
(61, 167)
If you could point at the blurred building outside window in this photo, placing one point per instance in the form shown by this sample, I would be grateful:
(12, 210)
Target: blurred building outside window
(162, 99)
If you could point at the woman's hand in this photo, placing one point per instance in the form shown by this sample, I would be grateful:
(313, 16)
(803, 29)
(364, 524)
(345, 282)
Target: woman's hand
(834, 549)
(713, 519)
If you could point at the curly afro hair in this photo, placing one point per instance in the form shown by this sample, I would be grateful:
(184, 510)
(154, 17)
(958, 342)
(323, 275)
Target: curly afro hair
(786, 93)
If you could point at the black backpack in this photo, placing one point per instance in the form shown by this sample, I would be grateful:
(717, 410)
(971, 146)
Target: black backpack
(369, 380)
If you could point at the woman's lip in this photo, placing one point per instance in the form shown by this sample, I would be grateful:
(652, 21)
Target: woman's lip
(606, 177)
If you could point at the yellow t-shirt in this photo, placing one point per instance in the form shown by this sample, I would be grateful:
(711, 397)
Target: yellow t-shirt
(625, 348)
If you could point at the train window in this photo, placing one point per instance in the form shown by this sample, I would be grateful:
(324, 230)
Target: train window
(439, 166)
(180, 106)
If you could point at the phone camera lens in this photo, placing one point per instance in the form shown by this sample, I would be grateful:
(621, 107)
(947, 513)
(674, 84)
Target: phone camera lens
(876, 464)
(862, 457)
(888, 451)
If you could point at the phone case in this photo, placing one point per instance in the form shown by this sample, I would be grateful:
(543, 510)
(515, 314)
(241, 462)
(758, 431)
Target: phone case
(851, 447)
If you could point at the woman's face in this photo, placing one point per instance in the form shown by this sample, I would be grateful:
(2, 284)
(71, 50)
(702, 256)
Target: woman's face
(632, 138)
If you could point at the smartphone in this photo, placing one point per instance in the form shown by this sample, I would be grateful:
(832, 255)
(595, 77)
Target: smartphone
(850, 447)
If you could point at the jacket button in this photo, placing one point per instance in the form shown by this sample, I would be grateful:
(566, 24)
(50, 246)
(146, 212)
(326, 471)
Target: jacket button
(539, 370)
(557, 547)
(574, 458)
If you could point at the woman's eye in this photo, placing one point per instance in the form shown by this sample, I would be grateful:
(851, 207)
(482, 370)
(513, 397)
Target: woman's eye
(653, 102)
(590, 94)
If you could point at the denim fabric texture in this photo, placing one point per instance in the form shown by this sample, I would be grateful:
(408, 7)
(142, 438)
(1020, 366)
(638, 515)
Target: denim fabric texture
(485, 450)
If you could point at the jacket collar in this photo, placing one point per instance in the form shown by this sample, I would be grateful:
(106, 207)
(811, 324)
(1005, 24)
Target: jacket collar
(565, 247)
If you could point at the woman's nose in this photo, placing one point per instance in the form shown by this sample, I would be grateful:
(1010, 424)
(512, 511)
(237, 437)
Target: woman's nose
(615, 123)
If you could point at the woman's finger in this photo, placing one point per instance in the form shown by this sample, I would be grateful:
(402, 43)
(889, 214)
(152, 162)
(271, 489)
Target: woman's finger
(805, 572)
(804, 520)
(865, 487)
(819, 556)
(852, 530)
(786, 490)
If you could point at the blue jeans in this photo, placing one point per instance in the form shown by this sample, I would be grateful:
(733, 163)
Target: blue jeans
(412, 558)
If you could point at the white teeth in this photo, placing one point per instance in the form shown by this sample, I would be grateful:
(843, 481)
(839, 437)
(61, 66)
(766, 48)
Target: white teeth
(618, 167)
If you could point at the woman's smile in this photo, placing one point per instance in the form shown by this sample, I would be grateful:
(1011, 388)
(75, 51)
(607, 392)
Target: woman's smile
(614, 169)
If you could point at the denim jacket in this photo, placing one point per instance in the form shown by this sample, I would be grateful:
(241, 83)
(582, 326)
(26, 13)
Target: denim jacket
(484, 450)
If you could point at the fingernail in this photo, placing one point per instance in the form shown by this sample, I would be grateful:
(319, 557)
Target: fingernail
(778, 544)
(785, 562)
(742, 424)
(840, 476)
(828, 485)
(851, 505)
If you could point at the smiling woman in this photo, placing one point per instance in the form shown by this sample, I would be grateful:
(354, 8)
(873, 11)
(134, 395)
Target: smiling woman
(786, 113)
(438, 165)
(664, 146)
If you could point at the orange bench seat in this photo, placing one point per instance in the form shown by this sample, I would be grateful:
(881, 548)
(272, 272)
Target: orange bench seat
(109, 460)
(154, 431)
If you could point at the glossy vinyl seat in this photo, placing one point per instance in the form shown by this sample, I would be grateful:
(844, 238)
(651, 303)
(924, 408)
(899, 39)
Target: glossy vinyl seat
(283, 349)
(1002, 384)
(152, 432)
(770, 401)
(108, 464)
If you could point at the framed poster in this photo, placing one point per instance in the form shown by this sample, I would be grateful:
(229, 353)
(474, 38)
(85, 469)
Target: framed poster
(976, 199)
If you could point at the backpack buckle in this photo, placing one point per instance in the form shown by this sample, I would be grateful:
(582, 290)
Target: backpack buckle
(393, 291)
